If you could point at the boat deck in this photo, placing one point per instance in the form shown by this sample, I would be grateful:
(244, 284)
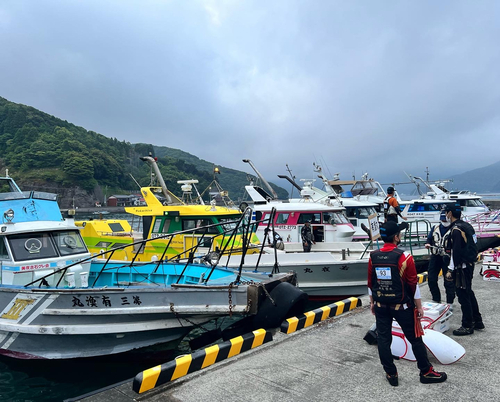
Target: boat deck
(331, 361)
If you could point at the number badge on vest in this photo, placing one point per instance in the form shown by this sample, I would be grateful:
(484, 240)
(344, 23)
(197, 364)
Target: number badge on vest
(383, 273)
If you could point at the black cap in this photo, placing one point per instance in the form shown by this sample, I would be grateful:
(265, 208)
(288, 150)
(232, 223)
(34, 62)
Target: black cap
(390, 190)
(453, 207)
(390, 228)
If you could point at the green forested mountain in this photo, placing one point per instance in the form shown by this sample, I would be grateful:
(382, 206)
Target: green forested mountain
(230, 179)
(47, 153)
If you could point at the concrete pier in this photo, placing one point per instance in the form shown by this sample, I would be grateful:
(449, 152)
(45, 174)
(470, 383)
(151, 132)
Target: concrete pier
(330, 361)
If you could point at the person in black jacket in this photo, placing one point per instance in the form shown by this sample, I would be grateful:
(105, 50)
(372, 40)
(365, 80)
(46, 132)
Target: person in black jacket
(439, 261)
(307, 237)
(461, 246)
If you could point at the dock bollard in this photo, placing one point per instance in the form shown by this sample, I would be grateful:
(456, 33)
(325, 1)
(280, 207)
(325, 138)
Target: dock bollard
(312, 317)
(183, 365)
(423, 277)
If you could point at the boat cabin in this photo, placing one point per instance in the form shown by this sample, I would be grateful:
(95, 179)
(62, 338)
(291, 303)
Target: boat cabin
(328, 225)
(202, 227)
(36, 241)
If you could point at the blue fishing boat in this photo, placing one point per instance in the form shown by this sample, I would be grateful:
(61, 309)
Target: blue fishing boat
(57, 301)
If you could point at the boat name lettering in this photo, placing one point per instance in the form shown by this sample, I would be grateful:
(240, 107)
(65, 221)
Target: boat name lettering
(92, 301)
(416, 213)
(35, 266)
(326, 269)
(285, 227)
(308, 270)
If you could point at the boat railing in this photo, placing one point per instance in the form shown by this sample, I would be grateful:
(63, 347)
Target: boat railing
(243, 225)
(484, 221)
(414, 237)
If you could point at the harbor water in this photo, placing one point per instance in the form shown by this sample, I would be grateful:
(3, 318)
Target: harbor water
(42, 380)
(47, 381)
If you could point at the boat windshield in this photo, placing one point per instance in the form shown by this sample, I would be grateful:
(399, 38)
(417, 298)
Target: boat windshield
(34, 246)
(364, 188)
(335, 218)
(365, 212)
(199, 226)
(228, 224)
(474, 203)
(16, 195)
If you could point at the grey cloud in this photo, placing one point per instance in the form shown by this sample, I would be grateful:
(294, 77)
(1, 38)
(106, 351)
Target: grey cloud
(362, 86)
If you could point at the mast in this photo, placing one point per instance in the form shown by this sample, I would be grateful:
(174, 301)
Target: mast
(154, 165)
(275, 196)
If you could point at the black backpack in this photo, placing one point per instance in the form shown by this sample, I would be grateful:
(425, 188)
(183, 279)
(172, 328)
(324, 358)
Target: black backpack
(469, 255)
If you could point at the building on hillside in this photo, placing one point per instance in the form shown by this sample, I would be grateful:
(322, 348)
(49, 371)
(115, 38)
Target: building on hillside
(123, 200)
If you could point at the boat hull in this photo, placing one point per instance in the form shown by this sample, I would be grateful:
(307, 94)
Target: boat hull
(55, 324)
(322, 275)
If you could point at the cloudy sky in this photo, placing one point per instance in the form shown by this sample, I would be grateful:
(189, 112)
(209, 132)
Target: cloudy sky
(358, 86)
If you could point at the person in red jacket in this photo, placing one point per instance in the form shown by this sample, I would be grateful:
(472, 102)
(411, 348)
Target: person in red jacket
(394, 294)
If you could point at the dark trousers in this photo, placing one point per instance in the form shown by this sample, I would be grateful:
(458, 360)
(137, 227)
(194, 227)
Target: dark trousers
(467, 298)
(406, 320)
(306, 246)
(436, 264)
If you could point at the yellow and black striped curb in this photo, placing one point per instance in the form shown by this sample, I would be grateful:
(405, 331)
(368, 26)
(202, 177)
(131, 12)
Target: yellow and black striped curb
(422, 277)
(312, 317)
(183, 365)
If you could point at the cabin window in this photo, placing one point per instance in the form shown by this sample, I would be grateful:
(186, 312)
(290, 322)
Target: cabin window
(199, 226)
(229, 224)
(69, 242)
(157, 225)
(314, 217)
(351, 212)
(166, 226)
(473, 203)
(116, 227)
(32, 246)
(334, 218)
(188, 224)
(4, 255)
(364, 213)
(424, 208)
(282, 219)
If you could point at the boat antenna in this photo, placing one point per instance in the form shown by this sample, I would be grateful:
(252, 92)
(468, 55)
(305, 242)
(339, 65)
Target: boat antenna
(133, 178)
(292, 177)
(275, 196)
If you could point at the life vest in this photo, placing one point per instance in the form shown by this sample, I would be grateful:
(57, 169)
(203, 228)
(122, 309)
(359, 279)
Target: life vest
(387, 283)
(389, 209)
(438, 241)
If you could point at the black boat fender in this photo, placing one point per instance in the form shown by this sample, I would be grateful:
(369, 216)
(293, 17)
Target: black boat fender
(287, 301)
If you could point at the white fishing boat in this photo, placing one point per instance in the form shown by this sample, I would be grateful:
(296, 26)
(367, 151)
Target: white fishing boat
(59, 302)
(361, 199)
(336, 266)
